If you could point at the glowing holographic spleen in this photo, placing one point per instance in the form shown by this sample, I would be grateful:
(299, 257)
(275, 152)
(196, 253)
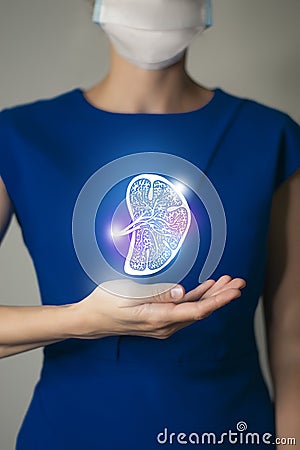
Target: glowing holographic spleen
(161, 219)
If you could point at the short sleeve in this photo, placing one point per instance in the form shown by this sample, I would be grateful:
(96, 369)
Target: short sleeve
(3, 147)
(289, 151)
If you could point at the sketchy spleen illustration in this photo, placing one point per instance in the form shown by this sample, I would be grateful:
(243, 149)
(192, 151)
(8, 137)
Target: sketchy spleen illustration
(160, 220)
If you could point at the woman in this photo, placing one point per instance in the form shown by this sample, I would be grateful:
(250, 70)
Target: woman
(142, 371)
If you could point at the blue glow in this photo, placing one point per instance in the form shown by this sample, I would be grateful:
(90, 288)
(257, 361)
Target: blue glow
(102, 262)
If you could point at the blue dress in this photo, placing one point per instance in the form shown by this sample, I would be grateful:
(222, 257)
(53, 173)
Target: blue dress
(128, 392)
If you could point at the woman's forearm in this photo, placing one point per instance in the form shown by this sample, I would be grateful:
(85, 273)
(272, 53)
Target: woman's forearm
(24, 328)
(159, 313)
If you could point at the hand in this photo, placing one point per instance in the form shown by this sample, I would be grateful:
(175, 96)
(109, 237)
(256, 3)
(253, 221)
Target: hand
(160, 312)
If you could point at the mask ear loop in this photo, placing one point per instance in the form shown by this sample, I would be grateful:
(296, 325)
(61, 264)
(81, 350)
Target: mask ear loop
(97, 12)
(208, 14)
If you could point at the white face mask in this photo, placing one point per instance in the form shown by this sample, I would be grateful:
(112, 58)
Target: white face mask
(152, 34)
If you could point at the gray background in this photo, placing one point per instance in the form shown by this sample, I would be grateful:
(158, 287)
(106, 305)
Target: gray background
(47, 47)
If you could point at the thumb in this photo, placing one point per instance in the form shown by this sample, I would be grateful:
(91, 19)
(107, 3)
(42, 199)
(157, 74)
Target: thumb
(167, 293)
(142, 293)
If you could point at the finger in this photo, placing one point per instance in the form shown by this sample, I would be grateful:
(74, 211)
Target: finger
(138, 293)
(199, 291)
(205, 290)
(165, 293)
(236, 283)
(193, 311)
(222, 281)
(211, 304)
(225, 283)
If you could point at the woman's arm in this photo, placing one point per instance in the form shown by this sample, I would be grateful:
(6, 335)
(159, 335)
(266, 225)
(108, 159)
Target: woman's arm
(24, 328)
(282, 306)
(103, 314)
(158, 314)
(6, 213)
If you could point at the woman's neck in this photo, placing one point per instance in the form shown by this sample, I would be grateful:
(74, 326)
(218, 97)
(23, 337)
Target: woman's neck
(129, 89)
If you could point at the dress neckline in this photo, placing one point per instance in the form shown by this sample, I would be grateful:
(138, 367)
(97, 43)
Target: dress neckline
(96, 110)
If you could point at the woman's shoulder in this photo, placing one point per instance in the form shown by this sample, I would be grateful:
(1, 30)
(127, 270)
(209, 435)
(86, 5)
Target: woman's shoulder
(260, 113)
(36, 110)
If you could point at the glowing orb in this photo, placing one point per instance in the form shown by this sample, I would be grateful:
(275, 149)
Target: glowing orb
(161, 218)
